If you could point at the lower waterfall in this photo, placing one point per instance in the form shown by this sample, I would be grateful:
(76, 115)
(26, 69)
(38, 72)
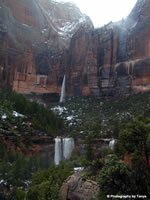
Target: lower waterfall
(58, 150)
(63, 149)
(112, 144)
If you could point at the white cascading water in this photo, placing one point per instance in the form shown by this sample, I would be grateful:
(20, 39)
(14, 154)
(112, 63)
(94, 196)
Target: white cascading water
(112, 144)
(63, 149)
(68, 146)
(127, 65)
(63, 90)
(58, 149)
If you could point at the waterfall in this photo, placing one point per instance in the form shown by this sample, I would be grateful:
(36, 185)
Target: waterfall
(63, 90)
(112, 144)
(58, 150)
(68, 146)
(127, 65)
(63, 149)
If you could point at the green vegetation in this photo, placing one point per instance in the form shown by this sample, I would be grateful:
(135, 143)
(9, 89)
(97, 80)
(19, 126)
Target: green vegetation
(109, 169)
(104, 116)
(114, 177)
(46, 184)
(134, 138)
(125, 119)
(16, 168)
(20, 121)
(114, 118)
(118, 178)
(41, 118)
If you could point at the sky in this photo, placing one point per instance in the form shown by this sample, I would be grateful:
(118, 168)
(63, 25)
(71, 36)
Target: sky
(103, 11)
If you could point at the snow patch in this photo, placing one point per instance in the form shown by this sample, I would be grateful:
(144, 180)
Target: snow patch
(69, 118)
(16, 114)
(78, 169)
(68, 28)
(134, 25)
(1, 181)
(58, 109)
(44, 30)
(4, 116)
(25, 25)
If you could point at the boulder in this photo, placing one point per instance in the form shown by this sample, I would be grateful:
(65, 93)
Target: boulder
(76, 188)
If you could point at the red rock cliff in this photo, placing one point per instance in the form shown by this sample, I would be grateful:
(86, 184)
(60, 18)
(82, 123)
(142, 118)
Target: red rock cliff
(35, 36)
(114, 59)
(42, 40)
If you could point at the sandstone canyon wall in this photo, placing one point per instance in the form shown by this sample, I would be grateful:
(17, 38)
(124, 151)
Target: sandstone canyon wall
(114, 59)
(34, 41)
(43, 40)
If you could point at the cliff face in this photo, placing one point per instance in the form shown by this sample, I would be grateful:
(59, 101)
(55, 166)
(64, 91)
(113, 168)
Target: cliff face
(43, 40)
(35, 36)
(116, 57)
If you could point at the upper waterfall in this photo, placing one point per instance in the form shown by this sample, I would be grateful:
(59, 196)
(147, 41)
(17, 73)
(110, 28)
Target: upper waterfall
(63, 90)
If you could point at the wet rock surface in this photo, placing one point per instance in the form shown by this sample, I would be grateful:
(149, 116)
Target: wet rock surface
(35, 37)
(113, 60)
(44, 40)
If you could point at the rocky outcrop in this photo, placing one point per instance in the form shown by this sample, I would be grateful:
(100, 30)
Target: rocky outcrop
(45, 39)
(75, 188)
